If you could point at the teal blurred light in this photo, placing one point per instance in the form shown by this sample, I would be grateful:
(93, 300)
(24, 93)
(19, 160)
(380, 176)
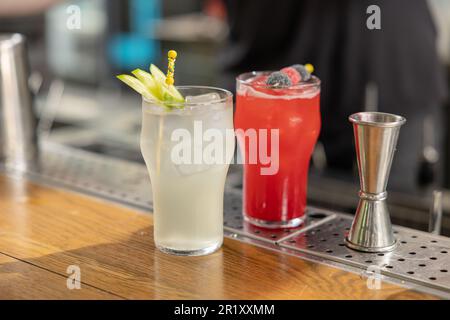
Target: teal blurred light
(137, 48)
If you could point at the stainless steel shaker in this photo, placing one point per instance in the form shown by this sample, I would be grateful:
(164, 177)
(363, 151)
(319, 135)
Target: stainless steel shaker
(18, 137)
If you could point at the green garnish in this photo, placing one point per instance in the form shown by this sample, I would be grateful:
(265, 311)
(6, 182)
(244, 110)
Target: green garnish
(153, 86)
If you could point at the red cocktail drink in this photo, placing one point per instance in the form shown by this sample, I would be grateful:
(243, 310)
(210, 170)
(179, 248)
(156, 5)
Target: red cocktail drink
(287, 123)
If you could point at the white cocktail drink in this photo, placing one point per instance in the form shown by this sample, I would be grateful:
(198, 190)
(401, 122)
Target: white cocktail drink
(187, 149)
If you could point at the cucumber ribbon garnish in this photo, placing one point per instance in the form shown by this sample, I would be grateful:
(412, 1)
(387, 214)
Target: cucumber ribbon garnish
(155, 86)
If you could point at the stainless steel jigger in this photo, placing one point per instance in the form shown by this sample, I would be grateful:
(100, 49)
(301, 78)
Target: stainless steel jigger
(376, 137)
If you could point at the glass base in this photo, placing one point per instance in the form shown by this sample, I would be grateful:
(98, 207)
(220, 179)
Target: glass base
(271, 224)
(197, 252)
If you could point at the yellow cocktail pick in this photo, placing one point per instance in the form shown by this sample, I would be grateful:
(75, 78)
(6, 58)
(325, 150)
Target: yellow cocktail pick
(309, 67)
(171, 56)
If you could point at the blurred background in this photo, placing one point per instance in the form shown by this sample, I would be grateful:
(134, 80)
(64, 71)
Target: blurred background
(77, 47)
(74, 67)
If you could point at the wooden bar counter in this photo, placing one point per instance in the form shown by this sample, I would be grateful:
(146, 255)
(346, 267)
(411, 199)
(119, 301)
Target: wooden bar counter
(44, 230)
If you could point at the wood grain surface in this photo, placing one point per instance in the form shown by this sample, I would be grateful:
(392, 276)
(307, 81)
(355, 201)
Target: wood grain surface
(22, 280)
(44, 230)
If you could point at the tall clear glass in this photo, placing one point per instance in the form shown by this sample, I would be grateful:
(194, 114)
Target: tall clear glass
(187, 149)
(286, 122)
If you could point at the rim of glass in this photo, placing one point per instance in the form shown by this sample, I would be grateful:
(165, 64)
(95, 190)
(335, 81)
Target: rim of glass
(314, 82)
(228, 95)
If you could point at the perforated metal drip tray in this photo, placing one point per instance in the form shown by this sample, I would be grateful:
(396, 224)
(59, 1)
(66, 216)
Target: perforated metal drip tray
(420, 261)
